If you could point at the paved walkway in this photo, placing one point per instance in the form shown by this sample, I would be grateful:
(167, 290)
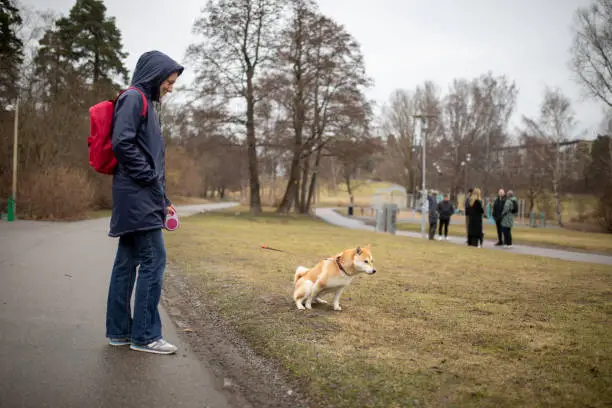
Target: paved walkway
(332, 217)
(53, 287)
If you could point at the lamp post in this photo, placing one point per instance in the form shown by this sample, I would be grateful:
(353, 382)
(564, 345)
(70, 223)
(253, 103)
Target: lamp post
(422, 133)
(12, 205)
(465, 165)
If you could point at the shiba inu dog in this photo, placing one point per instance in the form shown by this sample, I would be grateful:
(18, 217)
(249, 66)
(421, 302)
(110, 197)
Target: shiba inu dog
(331, 275)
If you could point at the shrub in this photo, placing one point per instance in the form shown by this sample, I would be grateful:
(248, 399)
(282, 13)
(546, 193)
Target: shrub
(56, 193)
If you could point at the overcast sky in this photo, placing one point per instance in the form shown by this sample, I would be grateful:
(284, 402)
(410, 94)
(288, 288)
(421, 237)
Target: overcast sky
(406, 42)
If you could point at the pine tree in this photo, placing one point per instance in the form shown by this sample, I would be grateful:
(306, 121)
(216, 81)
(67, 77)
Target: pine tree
(54, 66)
(96, 46)
(11, 51)
(84, 48)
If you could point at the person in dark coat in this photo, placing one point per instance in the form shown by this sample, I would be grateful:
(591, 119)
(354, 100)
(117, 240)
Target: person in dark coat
(433, 214)
(508, 218)
(140, 206)
(466, 204)
(446, 211)
(498, 208)
(475, 212)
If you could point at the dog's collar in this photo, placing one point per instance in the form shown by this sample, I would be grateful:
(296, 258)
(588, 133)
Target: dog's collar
(339, 265)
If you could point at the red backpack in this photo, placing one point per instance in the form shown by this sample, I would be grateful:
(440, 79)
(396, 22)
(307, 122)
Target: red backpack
(101, 156)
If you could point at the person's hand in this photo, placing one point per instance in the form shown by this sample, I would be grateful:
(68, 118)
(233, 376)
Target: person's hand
(171, 209)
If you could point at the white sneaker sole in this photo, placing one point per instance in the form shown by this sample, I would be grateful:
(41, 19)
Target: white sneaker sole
(150, 350)
(119, 343)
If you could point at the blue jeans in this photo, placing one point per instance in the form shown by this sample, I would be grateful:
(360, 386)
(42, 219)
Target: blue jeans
(145, 248)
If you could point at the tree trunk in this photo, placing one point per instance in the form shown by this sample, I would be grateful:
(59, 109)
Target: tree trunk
(96, 68)
(313, 181)
(349, 189)
(304, 186)
(334, 183)
(255, 199)
(299, 117)
(292, 183)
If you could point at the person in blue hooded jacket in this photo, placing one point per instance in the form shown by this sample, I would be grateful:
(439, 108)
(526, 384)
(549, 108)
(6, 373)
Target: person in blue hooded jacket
(140, 206)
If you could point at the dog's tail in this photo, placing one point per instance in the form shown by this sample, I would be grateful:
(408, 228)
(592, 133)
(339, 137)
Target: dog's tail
(299, 272)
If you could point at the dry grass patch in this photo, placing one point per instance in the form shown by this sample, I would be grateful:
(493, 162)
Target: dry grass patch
(438, 325)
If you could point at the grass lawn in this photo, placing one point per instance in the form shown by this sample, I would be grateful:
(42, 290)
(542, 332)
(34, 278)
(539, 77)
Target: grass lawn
(545, 237)
(438, 325)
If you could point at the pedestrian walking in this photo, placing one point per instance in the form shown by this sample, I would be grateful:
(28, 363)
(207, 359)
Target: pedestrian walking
(475, 212)
(508, 214)
(466, 204)
(433, 214)
(498, 208)
(445, 211)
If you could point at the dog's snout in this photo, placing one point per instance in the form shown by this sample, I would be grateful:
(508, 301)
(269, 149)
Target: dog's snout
(373, 271)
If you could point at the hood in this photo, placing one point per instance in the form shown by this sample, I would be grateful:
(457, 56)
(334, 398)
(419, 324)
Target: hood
(151, 71)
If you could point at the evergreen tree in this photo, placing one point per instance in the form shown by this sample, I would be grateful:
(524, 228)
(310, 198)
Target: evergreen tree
(11, 52)
(96, 46)
(82, 49)
(54, 66)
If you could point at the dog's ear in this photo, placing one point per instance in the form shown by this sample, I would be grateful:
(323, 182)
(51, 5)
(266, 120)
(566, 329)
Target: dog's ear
(368, 247)
(359, 251)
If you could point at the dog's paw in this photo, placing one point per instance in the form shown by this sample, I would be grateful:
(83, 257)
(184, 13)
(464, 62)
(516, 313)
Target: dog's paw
(337, 308)
(300, 306)
(319, 300)
(308, 306)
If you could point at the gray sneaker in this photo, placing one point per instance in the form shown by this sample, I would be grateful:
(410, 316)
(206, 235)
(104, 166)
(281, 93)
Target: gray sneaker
(160, 346)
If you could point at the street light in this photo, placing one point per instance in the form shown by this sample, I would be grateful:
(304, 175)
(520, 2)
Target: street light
(464, 164)
(12, 206)
(422, 133)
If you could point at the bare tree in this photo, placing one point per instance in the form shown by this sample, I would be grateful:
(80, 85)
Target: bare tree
(297, 72)
(531, 172)
(323, 65)
(237, 46)
(592, 49)
(476, 115)
(554, 126)
(399, 126)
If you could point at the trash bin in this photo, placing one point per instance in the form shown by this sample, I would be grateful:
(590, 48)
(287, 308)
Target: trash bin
(11, 210)
(380, 219)
(386, 218)
(350, 210)
(391, 221)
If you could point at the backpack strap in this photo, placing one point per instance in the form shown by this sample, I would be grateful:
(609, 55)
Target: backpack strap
(144, 100)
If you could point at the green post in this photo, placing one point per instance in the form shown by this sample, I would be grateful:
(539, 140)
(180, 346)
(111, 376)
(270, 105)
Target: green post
(11, 210)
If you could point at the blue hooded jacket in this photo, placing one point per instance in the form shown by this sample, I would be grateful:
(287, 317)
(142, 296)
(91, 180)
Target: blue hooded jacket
(139, 183)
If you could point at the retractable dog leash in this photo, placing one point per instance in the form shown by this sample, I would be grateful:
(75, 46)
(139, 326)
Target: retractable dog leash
(264, 246)
(172, 221)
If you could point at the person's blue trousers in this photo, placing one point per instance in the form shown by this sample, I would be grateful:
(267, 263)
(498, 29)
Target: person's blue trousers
(145, 248)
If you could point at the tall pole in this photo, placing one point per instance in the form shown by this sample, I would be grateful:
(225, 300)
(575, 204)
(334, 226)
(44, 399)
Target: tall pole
(423, 141)
(12, 210)
(423, 135)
